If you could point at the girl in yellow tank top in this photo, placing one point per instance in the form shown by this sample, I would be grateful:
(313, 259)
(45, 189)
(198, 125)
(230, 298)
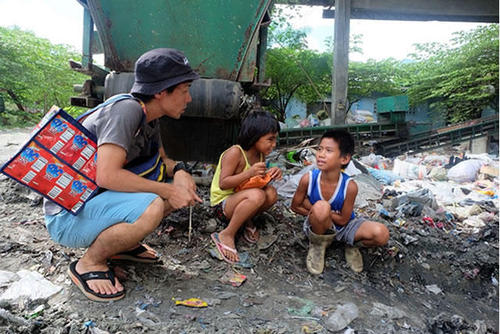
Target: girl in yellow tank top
(237, 164)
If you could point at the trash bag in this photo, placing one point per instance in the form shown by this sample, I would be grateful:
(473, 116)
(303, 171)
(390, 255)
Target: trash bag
(465, 171)
(286, 187)
(409, 170)
(438, 174)
(385, 176)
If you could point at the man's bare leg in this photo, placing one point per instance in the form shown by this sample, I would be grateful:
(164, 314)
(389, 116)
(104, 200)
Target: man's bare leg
(116, 239)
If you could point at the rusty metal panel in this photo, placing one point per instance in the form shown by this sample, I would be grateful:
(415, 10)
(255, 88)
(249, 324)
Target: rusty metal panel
(217, 36)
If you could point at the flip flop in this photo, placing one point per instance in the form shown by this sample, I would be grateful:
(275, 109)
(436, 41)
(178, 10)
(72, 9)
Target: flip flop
(250, 231)
(80, 280)
(133, 255)
(221, 247)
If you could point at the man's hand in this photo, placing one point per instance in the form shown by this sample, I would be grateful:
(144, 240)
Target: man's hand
(184, 179)
(180, 197)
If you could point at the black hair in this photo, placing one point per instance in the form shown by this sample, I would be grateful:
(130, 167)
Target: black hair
(143, 97)
(257, 124)
(343, 139)
(146, 98)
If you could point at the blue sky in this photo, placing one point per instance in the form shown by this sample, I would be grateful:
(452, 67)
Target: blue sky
(61, 22)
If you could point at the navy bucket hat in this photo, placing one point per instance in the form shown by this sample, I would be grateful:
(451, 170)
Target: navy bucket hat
(159, 69)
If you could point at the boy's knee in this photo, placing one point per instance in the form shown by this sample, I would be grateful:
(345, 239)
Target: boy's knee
(321, 210)
(381, 234)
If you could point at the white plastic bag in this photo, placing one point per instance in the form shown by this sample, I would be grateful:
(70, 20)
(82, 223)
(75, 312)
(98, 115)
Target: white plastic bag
(409, 170)
(31, 285)
(465, 171)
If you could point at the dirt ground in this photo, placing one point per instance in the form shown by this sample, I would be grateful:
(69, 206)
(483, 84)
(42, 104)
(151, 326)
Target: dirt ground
(426, 280)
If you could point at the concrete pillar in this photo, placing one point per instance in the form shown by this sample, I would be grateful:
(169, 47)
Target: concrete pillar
(340, 61)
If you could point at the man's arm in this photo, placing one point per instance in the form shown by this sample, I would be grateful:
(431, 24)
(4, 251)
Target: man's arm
(181, 178)
(300, 202)
(111, 175)
(344, 216)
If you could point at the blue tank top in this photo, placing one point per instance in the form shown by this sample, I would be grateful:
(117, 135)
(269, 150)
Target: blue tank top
(338, 197)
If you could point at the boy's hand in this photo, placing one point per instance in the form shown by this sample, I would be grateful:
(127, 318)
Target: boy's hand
(276, 173)
(258, 168)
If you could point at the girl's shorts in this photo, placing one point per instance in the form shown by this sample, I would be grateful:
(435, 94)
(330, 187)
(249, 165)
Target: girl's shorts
(99, 213)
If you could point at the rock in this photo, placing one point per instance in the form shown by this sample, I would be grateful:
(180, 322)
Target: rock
(210, 226)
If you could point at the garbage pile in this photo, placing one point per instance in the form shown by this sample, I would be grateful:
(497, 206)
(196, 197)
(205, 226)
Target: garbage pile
(321, 118)
(457, 193)
(438, 273)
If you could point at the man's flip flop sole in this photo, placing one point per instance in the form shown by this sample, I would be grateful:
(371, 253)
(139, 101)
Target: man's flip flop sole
(81, 282)
(133, 255)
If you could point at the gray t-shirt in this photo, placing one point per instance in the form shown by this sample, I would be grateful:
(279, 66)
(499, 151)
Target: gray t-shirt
(120, 124)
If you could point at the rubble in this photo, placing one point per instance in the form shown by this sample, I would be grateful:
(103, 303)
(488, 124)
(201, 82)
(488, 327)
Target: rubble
(438, 273)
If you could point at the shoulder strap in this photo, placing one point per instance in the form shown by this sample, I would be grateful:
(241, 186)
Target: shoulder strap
(244, 155)
(109, 101)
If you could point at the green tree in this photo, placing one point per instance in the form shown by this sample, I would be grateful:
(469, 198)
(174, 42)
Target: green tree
(374, 78)
(461, 78)
(33, 72)
(301, 73)
(297, 71)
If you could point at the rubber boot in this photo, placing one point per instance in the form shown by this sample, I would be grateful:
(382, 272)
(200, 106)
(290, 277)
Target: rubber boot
(354, 258)
(316, 254)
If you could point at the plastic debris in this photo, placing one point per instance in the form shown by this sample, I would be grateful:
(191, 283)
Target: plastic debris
(343, 316)
(92, 328)
(8, 317)
(37, 311)
(191, 302)
(434, 289)
(244, 258)
(303, 311)
(233, 278)
(385, 176)
(390, 312)
(31, 285)
(311, 328)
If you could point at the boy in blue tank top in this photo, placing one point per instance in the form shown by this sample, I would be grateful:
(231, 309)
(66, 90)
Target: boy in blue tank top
(326, 197)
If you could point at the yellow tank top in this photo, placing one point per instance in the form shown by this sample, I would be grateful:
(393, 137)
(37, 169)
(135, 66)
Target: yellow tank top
(217, 195)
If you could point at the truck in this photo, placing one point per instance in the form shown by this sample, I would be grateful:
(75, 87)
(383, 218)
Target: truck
(224, 40)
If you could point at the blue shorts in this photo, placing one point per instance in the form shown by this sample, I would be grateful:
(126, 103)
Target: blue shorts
(104, 210)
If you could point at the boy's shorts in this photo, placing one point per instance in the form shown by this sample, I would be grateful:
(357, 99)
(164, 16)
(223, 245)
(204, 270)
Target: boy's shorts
(99, 213)
(344, 234)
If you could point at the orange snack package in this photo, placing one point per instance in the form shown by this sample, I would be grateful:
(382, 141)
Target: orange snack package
(254, 182)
